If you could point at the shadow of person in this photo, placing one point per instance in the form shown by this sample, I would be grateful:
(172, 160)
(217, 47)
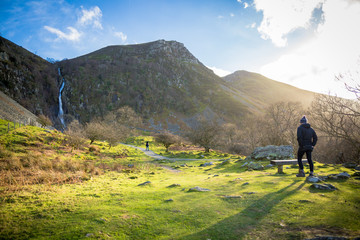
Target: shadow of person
(239, 225)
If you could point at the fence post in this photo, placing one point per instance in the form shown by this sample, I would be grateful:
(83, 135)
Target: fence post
(8, 127)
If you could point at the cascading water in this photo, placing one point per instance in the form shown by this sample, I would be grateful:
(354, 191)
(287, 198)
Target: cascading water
(61, 111)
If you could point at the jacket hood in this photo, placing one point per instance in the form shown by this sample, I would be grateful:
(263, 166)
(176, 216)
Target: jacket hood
(306, 125)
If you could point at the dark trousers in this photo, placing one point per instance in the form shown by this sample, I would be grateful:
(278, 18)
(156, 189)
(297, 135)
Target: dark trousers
(301, 153)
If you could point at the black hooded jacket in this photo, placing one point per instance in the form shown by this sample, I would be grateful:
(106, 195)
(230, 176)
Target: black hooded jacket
(306, 135)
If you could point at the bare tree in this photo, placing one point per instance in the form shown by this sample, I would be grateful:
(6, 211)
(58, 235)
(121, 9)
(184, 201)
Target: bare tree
(44, 121)
(205, 134)
(339, 119)
(94, 130)
(167, 139)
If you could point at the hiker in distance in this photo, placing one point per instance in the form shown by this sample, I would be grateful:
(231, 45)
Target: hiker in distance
(307, 139)
(147, 146)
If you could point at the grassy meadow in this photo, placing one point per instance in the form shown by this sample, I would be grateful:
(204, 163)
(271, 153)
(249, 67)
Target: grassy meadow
(49, 190)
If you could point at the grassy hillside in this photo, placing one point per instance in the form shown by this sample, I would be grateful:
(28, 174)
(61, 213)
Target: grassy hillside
(108, 202)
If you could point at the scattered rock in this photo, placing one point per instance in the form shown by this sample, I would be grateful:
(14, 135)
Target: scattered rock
(272, 152)
(247, 183)
(327, 238)
(169, 200)
(236, 180)
(199, 189)
(89, 235)
(233, 196)
(313, 179)
(144, 183)
(305, 201)
(357, 167)
(350, 165)
(133, 177)
(325, 186)
(130, 165)
(206, 164)
(216, 175)
(226, 161)
(343, 175)
(255, 166)
(246, 163)
(183, 165)
(269, 166)
(249, 193)
(174, 185)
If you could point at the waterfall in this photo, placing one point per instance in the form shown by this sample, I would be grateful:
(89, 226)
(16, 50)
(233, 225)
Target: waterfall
(61, 111)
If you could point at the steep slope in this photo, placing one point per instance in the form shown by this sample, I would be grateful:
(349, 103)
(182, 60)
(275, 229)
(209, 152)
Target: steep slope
(28, 79)
(160, 80)
(260, 91)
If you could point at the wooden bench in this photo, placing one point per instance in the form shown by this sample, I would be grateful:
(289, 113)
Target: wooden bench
(281, 163)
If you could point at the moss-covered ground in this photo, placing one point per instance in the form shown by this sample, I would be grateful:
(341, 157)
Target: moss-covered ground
(110, 204)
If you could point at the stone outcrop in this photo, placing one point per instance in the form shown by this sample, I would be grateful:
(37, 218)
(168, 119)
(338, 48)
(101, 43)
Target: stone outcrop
(272, 152)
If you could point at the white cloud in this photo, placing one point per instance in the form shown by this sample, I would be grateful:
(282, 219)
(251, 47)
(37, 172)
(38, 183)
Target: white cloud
(220, 17)
(91, 17)
(246, 5)
(219, 72)
(333, 50)
(281, 17)
(253, 25)
(73, 35)
(232, 15)
(120, 35)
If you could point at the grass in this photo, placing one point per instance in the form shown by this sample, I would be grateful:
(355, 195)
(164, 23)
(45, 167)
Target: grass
(112, 205)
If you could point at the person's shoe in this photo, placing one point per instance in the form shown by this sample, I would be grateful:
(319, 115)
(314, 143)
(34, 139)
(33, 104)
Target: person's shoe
(311, 174)
(301, 173)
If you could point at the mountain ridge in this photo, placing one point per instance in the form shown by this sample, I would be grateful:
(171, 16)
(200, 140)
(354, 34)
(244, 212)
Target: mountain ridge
(161, 80)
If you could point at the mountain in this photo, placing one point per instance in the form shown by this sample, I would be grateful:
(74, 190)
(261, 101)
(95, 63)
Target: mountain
(259, 91)
(161, 80)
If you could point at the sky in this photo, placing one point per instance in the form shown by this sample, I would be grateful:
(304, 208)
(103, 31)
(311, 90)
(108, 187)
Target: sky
(304, 43)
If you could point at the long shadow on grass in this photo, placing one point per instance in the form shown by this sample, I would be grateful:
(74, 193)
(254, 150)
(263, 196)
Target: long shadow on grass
(238, 225)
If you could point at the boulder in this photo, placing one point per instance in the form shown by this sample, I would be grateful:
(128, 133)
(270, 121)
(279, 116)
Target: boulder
(206, 164)
(325, 186)
(255, 166)
(144, 183)
(199, 189)
(313, 179)
(272, 152)
(350, 165)
(343, 175)
(174, 185)
(357, 167)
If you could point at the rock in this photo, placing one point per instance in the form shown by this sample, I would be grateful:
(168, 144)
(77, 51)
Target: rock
(247, 183)
(199, 189)
(183, 165)
(89, 235)
(272, 152)
(233, 196)
(357, 167)
(269, 166)
(356, 174)
(144, 183)
(324, 186)
(350, 165)
(130, 165)
(255, 166)
(174, 185)
(343, 175)
(236, 180)
(246, 163)
(305, 201)
(313, 179)
(169, 200)
(249, 193)
(327, 238)
(206, 164)
(216, 175)
(226, 161)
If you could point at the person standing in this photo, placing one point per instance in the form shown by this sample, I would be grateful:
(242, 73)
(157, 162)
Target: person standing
(307, 138)
(147, 146)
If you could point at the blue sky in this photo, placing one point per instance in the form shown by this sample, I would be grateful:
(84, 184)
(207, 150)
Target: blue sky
(305, 43)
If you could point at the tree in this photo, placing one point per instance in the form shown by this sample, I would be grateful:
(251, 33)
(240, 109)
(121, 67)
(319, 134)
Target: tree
(339, 120)
(205, 134)
(167, 139)
(44, 121)
(94, 130)
(74, 134)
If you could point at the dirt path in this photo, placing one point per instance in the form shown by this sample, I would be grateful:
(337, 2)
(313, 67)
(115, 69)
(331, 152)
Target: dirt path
(159, 157)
